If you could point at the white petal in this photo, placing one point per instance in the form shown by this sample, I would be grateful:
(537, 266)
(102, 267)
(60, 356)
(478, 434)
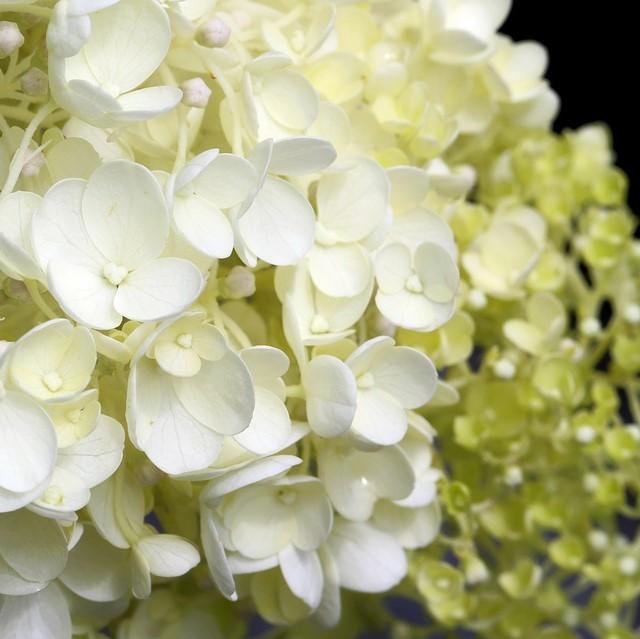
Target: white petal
(313, 512)
(367, 560)
(301, 156)
(331, 392)
(393, 268)
(44, 615)
(343, 270)
(97, 456)
(413, 310)
(303, 573)
(438, 272)
(96, 570)
(407, 375)
(124, 212)
(278, 227)
(351, 497)
(27, 443)
(11, 583)
(175, 360)
(205, 227)
(158, 289)
(215, 555)
(168, 555)
(119, 53)
(33, 546)
(220, 396)
(65, 494)
(58, 229)
(170, 436)
(265, 363)
(259, 509)
(193, 168)
(289, 99)
(84, 294)
(353, 203)
(269, 427)
(409, 187)
(379, 417)
(16, 213)
(252, 473)
(227, 181)
(146, 103)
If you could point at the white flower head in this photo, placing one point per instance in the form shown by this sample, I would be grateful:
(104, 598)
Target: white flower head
(100, 243)
(99, 55)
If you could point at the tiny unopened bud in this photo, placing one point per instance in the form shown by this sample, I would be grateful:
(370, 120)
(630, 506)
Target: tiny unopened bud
(214, 33)
(475, 571)
(504, 369)
(195, 93)
(15, 289)
(32, 166)
(585, 434)
(632, 313)
(628, 565)
(239, 283)
(598, 539)
(34, 82)
(590, 326)
(513, 476)
(477, 299)
(10, 38)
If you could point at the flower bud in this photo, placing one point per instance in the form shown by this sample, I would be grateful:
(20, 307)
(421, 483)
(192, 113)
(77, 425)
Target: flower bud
(34, 82)
(239, 283)
(504, 369)
(477, 299)
(214, 33)
(632, 313)
(195, 93)
(10, 38)
(590, 326)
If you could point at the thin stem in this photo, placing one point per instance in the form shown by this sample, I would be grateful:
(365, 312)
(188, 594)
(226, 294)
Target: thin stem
(32, 288)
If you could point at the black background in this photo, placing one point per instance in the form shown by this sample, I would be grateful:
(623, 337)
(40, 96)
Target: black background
(594, 66)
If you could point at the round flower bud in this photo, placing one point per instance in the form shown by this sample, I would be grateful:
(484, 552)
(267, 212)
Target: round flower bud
(590, 326)
(214, 33)
(585, 434)
(195, 93)
(34, 82)
(513, 476)
(477, 299)
(628, 565)
(598, 539)
(240, 282)
(632, 313)
(504, 369)
(10, 38)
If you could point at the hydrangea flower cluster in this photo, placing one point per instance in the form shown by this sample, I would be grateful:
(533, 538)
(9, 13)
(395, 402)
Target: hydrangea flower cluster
(238, 241)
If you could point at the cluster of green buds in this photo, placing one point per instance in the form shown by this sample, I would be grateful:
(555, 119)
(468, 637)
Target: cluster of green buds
(542, 451)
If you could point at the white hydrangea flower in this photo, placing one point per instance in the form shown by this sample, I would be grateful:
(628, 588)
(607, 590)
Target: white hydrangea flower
(390, 379)
(98, 56)
(185, 394)
(204, 190)
(276, 222)
(100, 244)
(353, 214)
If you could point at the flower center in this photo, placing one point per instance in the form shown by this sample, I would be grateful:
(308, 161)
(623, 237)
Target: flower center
(366, 380)
(53, 495)
(52, 381)
(319, 324)
(413, 284)
(184, 340)
(297, 40)
(114, 273)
